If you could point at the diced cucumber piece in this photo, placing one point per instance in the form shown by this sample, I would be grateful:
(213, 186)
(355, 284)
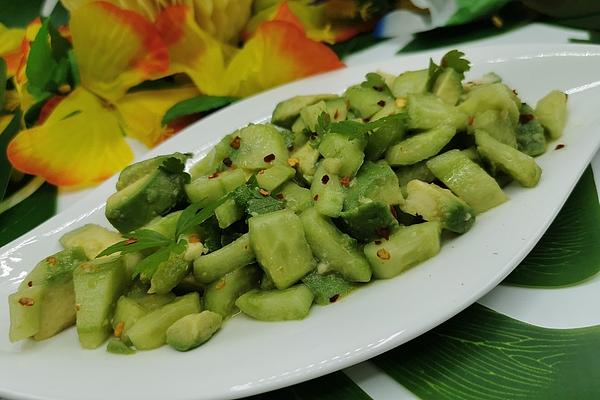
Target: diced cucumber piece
(127, 312)
(54, 268)
(58, 309)
(151, 302)
(467, 180)
(497, 124)
(427, 111)
(519, 166)
(328, 288)
(420, 146)
(310, 115)
(407, 173)
(334, 248)
(551, 111)
(91, 238)
(277, 305)
(150, 331)
(485, 79)
(166, 225)
(306, 158)
(192, 330)
(448, 86)
(365, 101)
(270, 179)
(116, 346)
(348, 151)
(280, 245)
(369, 220)
(337, 109)
(326, 189)
(436, 204)
(170, 272)
(286, 112)
(260, 146)
(531, 139)
(25, 307)
(148, 197)
(228, 213)
(98, 285)
(298, 128)
(208, 189)
(496, 96)
(136, 171)
(220, 296)
(213, 161)
(374, 182)
(410, 82)
(296, 197)
(405, 248)
(212, 266)
(382, 138)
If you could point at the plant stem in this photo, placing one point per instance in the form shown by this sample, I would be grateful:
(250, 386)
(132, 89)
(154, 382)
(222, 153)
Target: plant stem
(21, 194)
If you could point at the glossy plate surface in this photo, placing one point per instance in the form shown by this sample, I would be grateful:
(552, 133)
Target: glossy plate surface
(248, 357)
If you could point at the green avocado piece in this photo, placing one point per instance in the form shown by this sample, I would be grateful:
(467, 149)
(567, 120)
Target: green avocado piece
(369, 221)
(140, 169)
(192, 330)
(277, 305)
(375, 181)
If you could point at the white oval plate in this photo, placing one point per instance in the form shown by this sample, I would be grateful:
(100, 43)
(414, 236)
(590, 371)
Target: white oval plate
(248, 357)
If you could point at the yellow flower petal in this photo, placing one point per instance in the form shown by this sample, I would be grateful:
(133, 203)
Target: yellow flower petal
(279, 52)
(223, 19)
(141, 112)
(193, 51)
(118, 53)
(80, 143)
(11, 47)
(4, 121)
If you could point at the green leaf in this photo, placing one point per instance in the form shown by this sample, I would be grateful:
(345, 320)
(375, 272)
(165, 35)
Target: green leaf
(74, 68)
(146, 268)
(249, 198)
(19, 13)
(33, 113)
(335, 386)
(40, 63)
(568, 252)
(288, 137)
(28, 214)
(6, 136)
(141, 239)
(327, 288)
(454, 59)
(59, 45)
(264, 205)
(357, 43)
(192, 216)
(376, 81)
(483, 355)
(2, 82)
(172, 165)
(196, 105)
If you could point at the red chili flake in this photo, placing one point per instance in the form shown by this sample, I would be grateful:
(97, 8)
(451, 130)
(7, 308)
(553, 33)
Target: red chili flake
(384, 233)
(334, 298)
(525, 118)
(378, 242)
(470, 120)
(345, 181)
(325, 179)
(279, 196)
(316, 198)
(193, 238)
(559, 146)
(383, 254)
(29, 284)
(394, 211)
(131, 241)
(220, 284)
(51, 260)
(269, 157)
(212, 176)
(381, 103)
(26, 301)
(263, 192)
(235, 143)
(119, 328)
(227, 161)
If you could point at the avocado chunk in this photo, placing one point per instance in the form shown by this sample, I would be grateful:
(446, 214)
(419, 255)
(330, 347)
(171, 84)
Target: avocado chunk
(192, 330)
(427, 111)
(375, 181)
(385, 136)
(551, 111)
(213, 161)
(220, 296)
(519, 166)
(140, 169)
(127, 312)
(44, 304)
(436, 204)
(286, 112)
(420, 146)
(531, 139)
(277, 305)
(407, 247)
(171, 271)
(410, 82)
(334, 248)
(116, 346)
(328, 288)
(150, 196)
(369, 221)
(212, 266)
(150, 331)
(98, 286)
(280, 245)
(407, 173)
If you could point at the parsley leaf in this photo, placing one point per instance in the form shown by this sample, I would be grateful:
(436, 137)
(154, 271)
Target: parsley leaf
(192, 215)
(248, 197)
(148, 266)
(376, 82)
(141, 239)
(452, 59)
(264, 205)
(288, 138)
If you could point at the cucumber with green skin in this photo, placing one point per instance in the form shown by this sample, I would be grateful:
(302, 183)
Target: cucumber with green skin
(212, 266)
(420, 146)
(410, 82)
(277, 305)
(551, 111)
(220, 296)
(286, 112)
